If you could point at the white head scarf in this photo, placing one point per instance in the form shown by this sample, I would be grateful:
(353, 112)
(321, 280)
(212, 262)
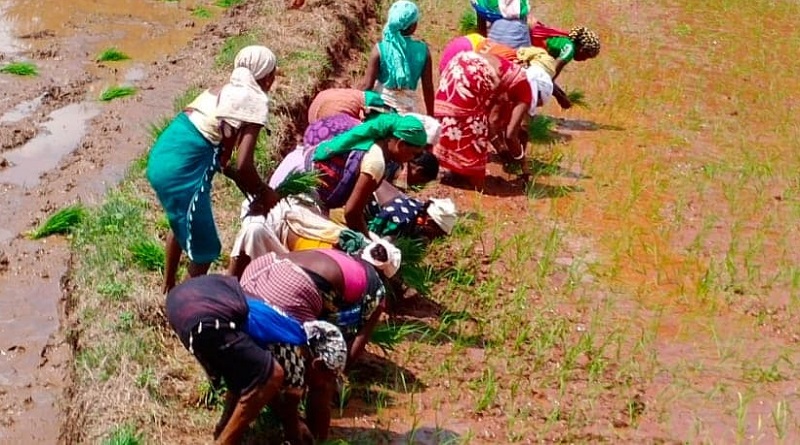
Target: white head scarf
(432, 127)
(541, 85)
(260, 60)
(443, 213)
(392, 263)
(327, 342)
(242, 99)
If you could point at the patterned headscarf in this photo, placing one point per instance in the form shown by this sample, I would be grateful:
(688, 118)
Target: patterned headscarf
(402, 14)
(260, 60)
(586, 40)
(327, 342)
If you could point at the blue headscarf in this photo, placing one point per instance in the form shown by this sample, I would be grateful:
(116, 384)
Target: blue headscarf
(402, 14)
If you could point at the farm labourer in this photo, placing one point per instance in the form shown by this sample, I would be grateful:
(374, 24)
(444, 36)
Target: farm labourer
(398, 63)
(579, 44)
(393, 213)
(295, 223)
(200, 142)
(259, 352)
(352, 102)
(327, 284)
(352, 164)
(508, 18)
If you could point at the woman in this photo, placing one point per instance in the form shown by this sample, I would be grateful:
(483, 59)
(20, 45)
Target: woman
(579, 44)
(398, 63)
(463, 101)
(327, 284)
(508, 18)
(352, 164)
(199, 142)
(354, 103)
(258, 351)
(393, 213)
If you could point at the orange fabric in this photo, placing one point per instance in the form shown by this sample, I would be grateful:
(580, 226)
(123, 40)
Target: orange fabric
(505, 52)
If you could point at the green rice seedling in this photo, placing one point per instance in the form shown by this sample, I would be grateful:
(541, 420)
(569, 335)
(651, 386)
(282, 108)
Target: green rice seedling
(113, 290)
(154, 129)
(578, 98)
(487, 385)
(388, 336)
(61, 222)
(413, 250)
(540, 130)
(417, 277)
(124, 435)
(112, 55)
(298, 183)
(148, 254)
(117, 92)
(231, 47)
(468, 23)
(228, 3)
(209, 396)
(20, 69)
(201, 13)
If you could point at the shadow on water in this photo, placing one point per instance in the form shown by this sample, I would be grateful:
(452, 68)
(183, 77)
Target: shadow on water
(61, 135)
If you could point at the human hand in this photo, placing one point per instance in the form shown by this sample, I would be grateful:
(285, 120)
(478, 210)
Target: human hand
(564, 102)
(294, 4)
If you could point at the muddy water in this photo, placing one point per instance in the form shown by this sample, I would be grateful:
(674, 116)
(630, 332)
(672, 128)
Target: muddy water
(63, 39)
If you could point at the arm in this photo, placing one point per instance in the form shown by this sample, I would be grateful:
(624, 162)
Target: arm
(427, 84)
(561, 97)
(318, 406)
(246, 177)
(560, 64)
(518, 113)
(373, 68)
(363, 336)
(357, 202)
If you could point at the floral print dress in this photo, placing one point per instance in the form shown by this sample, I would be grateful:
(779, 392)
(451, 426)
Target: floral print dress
(462, 105)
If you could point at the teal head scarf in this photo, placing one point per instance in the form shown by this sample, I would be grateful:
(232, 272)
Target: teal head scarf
(408, 128)
(402, 14)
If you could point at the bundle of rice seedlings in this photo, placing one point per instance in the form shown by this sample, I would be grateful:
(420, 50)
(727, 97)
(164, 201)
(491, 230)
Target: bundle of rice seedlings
(298, 183)
(112, 55)
(468, 23)
(148, 254)
(20, 69)
(63, 221)
(540, 129)
(578, 98)
(116, 92)
(417, 277)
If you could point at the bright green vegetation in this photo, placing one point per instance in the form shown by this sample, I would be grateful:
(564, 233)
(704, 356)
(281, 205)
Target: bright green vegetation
(112, 55)
(20, 69)
(62, 222)
(117, 92)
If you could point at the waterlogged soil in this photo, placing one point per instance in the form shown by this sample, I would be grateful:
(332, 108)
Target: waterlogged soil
(688, 371)
(59, 145)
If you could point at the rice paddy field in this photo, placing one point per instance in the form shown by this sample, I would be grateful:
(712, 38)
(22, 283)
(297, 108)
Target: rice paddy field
(644, 288)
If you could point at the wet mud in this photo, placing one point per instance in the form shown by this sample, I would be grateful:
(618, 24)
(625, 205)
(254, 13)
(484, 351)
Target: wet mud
(58, 145)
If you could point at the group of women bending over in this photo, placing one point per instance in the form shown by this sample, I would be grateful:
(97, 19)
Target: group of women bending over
(306, 281)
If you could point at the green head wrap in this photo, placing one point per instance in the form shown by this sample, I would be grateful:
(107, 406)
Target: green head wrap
(408, 128)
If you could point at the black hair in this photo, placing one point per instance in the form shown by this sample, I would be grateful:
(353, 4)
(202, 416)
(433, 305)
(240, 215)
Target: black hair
(429, 165)
(379, 253)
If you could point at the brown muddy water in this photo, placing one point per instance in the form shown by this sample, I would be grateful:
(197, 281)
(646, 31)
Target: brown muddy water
(58, 143)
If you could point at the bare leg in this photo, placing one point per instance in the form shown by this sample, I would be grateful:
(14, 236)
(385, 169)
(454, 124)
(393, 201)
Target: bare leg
(195, 270)
(231, 400)
(318, 409)
(173, 257)
(249, 406)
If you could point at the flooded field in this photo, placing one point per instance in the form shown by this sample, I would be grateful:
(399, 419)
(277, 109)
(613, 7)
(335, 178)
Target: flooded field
(44, 120)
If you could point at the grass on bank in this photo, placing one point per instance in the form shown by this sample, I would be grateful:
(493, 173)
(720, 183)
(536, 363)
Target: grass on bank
(201, 13)
(20, 69)
(112, 55)
(117, 92)
(228, 3)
